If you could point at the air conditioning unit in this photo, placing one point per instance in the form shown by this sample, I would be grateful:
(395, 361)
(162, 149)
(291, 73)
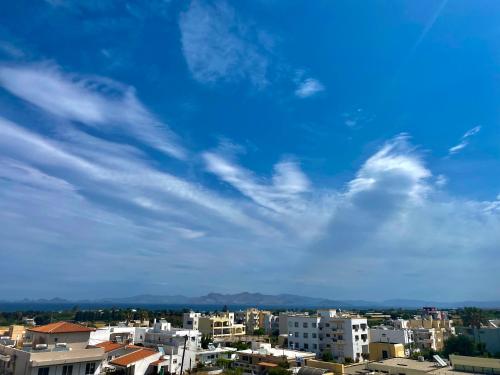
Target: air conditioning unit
(41, 346)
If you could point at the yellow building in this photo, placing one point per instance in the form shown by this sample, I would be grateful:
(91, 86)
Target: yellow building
(385, 350)
(336, 368)
(220, 325)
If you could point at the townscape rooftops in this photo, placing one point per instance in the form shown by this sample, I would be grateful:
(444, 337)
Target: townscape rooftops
(133, 357)
(61, 327)
(109, 346)
(412, 364)
(276, 352)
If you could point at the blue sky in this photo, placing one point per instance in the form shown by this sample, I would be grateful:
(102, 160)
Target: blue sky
(333, 148)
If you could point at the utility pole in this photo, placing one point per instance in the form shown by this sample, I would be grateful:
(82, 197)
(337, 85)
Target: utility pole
(184, 352)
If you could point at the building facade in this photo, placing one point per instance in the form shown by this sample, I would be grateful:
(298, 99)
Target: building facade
(344, 337)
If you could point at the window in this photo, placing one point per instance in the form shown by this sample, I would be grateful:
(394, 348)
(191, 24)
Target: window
(304, 324)
(315, 346)
(306, 346)
(289, 324)
(314, 335)
(90, 368)
(296, 334)
(296, 324)
(356, 338)
(385, 355)
(306, 335)
(327, 324)
(314, 325)
(67, 370)
(43, 371)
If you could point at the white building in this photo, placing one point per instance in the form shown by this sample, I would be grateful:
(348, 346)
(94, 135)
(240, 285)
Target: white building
(212, 354)
(391, 335)
(171, 341)
(262, 356)
(190, 320)
(303, 332)
(270, 323)
(121, 334)
(341, 335)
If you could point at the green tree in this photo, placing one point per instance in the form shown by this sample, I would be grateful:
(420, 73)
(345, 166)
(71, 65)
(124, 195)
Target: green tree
(327, 357)
(473, 317)
(259, 332)
(224, 362)
(461, 344)
(240, 345)
(205, 341)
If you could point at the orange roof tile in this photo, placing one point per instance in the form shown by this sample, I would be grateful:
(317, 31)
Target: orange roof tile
(157, 362)
(61, 327)
(109, 346)
(130, 358)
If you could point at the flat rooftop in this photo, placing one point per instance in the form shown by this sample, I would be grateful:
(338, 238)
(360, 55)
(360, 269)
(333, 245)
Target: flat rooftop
(425, 366)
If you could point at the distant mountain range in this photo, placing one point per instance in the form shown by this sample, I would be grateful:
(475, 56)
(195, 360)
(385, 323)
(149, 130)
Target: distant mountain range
(258, 299)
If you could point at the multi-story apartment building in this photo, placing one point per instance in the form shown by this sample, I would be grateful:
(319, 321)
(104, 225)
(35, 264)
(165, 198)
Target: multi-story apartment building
(253, 319)
(303, 332)
(428, 338)
(190, 320)
(341, 335)
(216, 325)
(270, 323)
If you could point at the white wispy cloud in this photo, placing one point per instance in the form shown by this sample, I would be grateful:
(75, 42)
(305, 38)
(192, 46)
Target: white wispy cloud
(81, 195)
(309, 87)
(281, 193)
(464, 142)
(219, 46)
(94, 101)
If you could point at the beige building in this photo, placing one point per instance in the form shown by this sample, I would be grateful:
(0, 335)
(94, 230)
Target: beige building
(53, 349)
(431, 333)
(252, 318)
(15, 333)
(75, 336)
(220, 325)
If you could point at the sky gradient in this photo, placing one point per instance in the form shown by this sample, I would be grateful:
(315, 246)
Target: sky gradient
(340, 149)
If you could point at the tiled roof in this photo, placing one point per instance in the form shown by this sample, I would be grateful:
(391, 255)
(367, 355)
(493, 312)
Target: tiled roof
(157, 362)
(130, 358)
(109, 346)
(61, 327)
